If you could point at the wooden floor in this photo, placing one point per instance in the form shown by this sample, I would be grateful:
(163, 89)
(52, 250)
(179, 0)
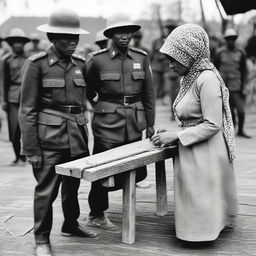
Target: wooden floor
(154, 235)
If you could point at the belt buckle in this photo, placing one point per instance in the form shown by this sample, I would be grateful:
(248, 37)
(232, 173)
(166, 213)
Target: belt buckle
(69, 109)
(126, 103)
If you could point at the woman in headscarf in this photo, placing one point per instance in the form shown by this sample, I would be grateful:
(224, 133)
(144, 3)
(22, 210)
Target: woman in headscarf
(204, 183)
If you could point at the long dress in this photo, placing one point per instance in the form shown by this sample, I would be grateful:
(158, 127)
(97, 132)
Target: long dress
(204, 182)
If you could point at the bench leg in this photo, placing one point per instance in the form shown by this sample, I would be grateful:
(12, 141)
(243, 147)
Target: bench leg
(129, 200)
(161, 193)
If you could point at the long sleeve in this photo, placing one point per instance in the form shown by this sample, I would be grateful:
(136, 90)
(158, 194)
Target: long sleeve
(29, 106)
(211, 107)
(5, 80)
(148, 98)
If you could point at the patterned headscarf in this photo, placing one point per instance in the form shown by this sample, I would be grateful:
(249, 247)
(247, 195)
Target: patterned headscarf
(189, 45)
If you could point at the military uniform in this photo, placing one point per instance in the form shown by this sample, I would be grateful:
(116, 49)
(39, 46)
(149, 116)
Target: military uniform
(232, 67)
(125, 107)
(53, 124)
(12, 65)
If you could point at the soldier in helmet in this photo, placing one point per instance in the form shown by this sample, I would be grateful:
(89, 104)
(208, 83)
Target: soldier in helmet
(101, 40)
(121, 77)
(12, 65)
(159, 62)
(53, 124)
(231, 63)
(34, 46)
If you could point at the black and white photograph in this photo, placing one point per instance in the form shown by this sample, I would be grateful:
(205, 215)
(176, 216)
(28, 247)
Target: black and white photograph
(127, 128)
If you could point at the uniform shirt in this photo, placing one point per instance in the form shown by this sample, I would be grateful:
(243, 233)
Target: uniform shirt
(12, 65)
(112, 75)
(49, 80)
(232, 67)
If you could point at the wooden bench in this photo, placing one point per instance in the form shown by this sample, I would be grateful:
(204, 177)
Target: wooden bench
(125, 159)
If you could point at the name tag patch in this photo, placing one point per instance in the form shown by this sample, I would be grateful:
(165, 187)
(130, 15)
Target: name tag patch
(78, 71)
(136, 66)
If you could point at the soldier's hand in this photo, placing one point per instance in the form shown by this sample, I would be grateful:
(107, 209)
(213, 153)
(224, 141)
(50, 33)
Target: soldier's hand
(35, 161)
(4, 106)
(150, 131)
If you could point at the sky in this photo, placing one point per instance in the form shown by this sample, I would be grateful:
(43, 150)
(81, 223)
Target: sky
(135, 9)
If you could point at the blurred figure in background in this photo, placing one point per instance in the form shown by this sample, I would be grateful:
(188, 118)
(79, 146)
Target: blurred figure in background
(34, 46)
(214, 46)
(137, 38)
(101, 40)
(251, 78)
(159, 62)
(12, 65)
(231, 63)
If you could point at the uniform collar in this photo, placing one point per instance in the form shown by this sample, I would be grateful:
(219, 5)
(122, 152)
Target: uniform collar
(53, 57)
(113, 51)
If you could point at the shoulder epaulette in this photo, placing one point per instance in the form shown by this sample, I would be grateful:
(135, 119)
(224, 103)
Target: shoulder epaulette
(7, 56)
(99, 52)
(138, 50)
(38, 56)
(80, 57)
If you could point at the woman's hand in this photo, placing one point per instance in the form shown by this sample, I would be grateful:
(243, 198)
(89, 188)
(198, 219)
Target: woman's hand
(164, 139)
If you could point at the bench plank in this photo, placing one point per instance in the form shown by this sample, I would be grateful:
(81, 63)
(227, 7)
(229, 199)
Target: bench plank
(77, 168)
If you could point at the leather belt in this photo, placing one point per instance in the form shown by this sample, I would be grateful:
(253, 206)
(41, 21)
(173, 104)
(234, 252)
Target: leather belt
(124, 100)
(69, 109)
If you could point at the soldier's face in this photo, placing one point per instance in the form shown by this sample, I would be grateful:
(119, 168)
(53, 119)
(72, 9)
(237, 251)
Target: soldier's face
(17, 46)
(122, 39)
(66, 44)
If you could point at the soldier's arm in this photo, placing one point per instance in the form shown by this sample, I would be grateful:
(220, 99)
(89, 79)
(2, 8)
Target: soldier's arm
(243, 69)
(29, 107)
(148, 98)
(92, 79)
(5, 82)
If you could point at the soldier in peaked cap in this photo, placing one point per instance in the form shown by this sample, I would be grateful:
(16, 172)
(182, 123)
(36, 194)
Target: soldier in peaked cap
(121, 77)
(12, 65)
(53, 124)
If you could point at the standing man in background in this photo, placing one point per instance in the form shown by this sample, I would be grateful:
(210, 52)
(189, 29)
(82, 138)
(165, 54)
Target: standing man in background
(34, 46)
(53, 125)
(12, 65)
(231, 63)
(124, 106)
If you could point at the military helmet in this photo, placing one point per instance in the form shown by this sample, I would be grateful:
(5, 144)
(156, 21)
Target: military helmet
(230, 33)
(63, 21)
(100, 37)
(16, 35)
(118, 21)
(137, 34)
(34, 37)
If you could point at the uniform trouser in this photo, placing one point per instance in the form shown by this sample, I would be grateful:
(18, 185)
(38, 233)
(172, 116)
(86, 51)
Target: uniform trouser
(98, 197)
(14, 128)
(237, 104)
(46, 191)
(159, 84)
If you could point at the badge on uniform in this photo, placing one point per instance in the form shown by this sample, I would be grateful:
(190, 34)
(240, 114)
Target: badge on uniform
(78, 71)
(136, 66)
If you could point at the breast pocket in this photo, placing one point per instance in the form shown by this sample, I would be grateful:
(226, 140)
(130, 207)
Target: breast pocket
(53, 89)
(110, 83)
(138, 78)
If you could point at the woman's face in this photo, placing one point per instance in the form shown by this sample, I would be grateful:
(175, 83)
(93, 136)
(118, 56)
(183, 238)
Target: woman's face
(177, 67)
